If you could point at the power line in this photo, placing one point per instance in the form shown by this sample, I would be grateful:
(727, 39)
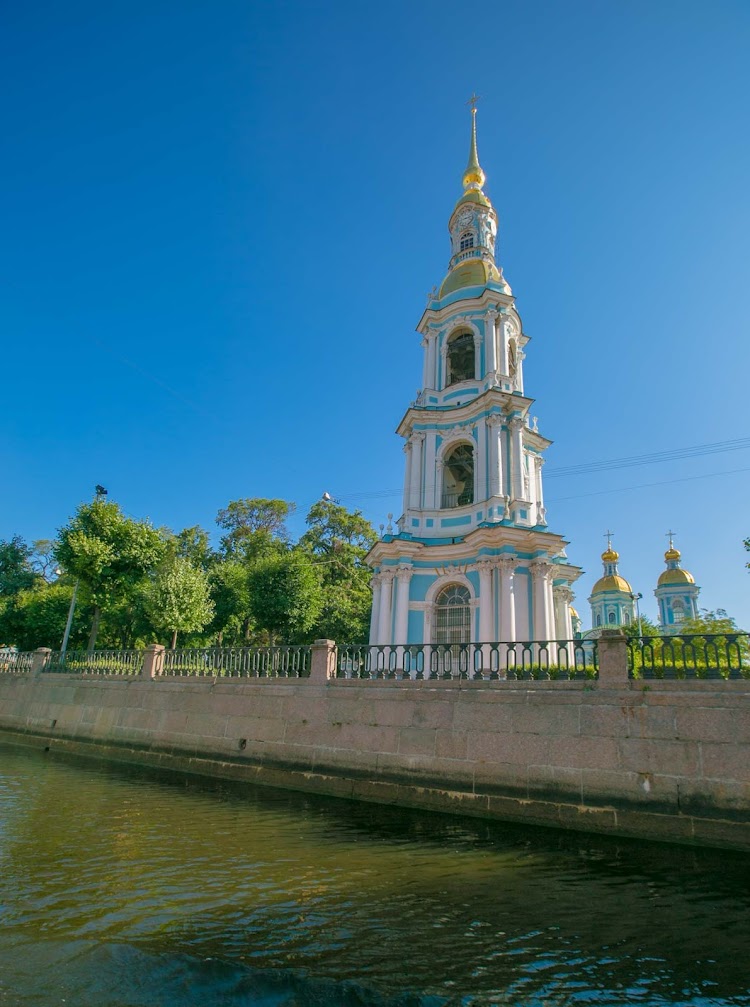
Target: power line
(604, 465)
(642, 486)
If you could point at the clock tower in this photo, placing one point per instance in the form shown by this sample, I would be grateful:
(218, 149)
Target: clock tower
(473, 559)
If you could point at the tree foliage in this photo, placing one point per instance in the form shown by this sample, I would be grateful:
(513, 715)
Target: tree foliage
(16, 571)
(108, 552)
(285, 595)
(338, 540)
(253, 527)
(178, 599)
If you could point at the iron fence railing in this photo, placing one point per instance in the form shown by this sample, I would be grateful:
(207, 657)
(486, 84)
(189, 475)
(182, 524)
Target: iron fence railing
(15, 662)
(713, 656)
(240, 662)
(533, 660)
(95, 662)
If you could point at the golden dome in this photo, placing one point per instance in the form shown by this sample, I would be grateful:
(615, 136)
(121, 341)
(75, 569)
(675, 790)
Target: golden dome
(573, 612)
(610, 556)
(473, 196)
(675, 577)
(672, 554)
(612, 583)
(474, 273)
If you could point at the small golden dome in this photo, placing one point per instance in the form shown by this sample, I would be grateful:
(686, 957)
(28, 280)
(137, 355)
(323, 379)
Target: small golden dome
(610, 556)
(574, 613)
(612, 583)
(672, 554)
(675, 577)
(473, 196)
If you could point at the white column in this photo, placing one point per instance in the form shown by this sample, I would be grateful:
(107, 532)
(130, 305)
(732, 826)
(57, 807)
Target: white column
(490, 341)
(480, 489)
(425, 344)
(384, 609)
(415, 473)
(407, 477)
(516, 457)
(430, 475)
(494, 425)
(403, 576)
(519, 369)
(563, 623)
(503, 347)
(374, 619)
(540, 571)
(477, 357)
(484, 566)
(542, 513)
(443, 383)
(507, 567)
(432, 360)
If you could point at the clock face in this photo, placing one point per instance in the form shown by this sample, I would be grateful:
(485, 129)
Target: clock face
(465, 218)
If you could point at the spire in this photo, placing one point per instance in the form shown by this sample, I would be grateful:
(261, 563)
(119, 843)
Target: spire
(672, 554)
(474, 177)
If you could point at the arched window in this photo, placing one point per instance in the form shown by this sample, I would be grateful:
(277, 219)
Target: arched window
(452, 622)
(512, 360)
(466, 241)
(678, 610)
(598, 620)
(458, 477)
(627, 618)
(612, 618)
(460, 358)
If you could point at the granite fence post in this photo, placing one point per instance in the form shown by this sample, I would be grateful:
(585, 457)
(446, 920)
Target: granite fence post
(153, 661)
(40, 660)
(323, 661)
(613, 657)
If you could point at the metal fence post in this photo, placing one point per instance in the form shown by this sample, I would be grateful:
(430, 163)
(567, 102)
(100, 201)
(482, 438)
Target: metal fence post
(323, 661)
(153, 661)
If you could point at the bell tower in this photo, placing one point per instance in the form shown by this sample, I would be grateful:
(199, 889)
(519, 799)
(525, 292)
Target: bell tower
(473, 559)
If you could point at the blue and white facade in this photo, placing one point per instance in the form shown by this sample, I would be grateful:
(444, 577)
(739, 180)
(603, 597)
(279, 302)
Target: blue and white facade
(612, 598)
(676, 593)
(473, 559)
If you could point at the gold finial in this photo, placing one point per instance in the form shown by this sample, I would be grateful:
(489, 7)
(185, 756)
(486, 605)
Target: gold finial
(609, 555)
(474, 177)
(671, 552)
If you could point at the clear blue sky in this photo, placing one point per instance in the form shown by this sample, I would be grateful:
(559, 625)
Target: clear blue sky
(221, 220)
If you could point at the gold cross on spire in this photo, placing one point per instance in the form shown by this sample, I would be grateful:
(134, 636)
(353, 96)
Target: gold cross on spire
(608, 535)
(473, 101)
(670, 536)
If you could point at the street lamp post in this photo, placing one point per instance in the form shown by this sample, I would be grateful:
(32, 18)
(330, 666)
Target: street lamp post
(636, 598)
(69, 623)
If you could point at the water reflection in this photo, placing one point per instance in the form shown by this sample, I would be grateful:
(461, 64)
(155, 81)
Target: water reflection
(110, 878)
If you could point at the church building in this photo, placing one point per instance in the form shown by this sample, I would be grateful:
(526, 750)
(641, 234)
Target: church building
(676, 592)
(473, 559)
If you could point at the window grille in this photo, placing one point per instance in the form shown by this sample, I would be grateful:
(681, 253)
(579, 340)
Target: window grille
(467, 241)
(453, 616)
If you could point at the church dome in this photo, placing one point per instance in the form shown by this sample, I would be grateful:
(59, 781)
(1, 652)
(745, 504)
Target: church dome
(678, 576)
(474, 273)
(610, 555)
(612, 583)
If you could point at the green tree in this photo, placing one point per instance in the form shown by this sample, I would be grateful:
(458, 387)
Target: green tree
(194, 545)
(647, 628)
(16, 571)
(178, 599)
(285, 595)
(254, 527)
(43, 559)
(339, 540)
(36, 617)
(232, 623)
(108, 552)
(715, 623)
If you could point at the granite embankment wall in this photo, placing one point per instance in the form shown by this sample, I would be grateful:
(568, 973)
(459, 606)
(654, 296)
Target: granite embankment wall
(663, 760)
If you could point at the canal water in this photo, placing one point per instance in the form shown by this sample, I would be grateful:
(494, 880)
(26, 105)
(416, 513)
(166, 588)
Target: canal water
(124, 888)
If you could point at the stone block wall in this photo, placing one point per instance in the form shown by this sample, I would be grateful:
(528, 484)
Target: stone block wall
(663, 760)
